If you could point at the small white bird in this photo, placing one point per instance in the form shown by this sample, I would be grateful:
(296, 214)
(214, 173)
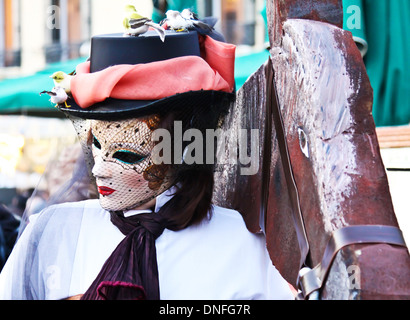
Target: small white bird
(136, 24)
(57, 96)
(63, 80)
(198, 25)
(175, 21)
(186, 20)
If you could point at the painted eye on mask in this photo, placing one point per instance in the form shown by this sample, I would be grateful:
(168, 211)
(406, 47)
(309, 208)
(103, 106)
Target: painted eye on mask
(128, 157)
(96, 143)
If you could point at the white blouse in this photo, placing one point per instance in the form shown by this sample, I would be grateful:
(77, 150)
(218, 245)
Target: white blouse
(64, 247)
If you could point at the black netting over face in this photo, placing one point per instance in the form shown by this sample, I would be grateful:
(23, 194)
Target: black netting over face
(127, 157)
(125, 174)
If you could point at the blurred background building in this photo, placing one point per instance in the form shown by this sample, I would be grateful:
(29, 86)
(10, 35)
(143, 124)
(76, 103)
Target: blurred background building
(39, 37)
(34, 35)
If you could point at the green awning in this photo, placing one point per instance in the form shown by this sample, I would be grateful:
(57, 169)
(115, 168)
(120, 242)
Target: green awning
(387, 60)
(23, 94)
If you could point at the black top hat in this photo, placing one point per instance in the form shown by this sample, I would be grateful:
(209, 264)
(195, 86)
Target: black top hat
(115, 49)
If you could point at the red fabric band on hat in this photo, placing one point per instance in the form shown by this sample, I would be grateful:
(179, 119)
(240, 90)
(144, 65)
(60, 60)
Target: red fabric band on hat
(160, 79)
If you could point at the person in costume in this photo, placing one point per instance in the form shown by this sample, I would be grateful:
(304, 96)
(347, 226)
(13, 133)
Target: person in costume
(9, 227)
(153, 233)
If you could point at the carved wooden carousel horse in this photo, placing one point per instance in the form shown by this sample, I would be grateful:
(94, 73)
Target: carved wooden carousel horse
(320, 193)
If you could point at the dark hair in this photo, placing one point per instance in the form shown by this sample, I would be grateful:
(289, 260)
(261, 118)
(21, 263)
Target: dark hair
(192, 201)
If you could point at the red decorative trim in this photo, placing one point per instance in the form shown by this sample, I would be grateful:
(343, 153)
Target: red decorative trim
(115, 284)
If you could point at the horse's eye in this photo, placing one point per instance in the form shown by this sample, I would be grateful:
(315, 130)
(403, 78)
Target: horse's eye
(128, 157)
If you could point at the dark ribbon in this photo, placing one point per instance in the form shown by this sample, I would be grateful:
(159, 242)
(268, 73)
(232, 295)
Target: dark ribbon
(131, 272)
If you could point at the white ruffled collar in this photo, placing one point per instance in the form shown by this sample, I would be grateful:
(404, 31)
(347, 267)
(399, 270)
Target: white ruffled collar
(162, 199)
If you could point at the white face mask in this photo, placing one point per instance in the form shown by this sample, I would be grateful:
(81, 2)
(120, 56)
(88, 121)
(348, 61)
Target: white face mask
(125, 175)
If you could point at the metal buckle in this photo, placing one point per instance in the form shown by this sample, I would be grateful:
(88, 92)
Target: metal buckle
(312, 280)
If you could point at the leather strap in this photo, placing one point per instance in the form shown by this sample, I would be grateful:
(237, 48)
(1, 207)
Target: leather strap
(267, 148)
(273, 112)
(314, 279)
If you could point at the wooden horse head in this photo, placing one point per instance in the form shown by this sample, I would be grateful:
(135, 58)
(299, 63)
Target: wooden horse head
(324, 99)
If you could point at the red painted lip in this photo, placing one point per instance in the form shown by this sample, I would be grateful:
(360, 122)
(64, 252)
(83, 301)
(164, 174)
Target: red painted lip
(105, 191)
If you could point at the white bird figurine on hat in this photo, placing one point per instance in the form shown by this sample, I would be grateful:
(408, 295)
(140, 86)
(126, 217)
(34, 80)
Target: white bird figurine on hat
(198, 25)
(136, 24)
(63, 80)
(186, 20)
(57, 96)
(176, 22)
